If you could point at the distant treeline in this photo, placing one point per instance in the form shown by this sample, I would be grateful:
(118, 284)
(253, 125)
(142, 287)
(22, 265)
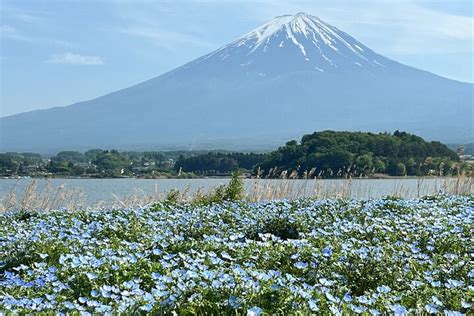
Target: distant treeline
(212, 163)
(93, 163)
(340, 154)
(325, 154)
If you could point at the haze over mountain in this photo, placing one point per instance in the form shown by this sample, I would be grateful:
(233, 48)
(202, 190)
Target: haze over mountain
(293, 75)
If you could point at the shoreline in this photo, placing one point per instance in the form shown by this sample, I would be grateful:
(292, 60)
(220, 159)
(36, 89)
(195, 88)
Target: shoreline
(223, 177)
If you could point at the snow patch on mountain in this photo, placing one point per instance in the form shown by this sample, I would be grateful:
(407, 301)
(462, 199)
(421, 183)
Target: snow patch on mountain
(319, 46)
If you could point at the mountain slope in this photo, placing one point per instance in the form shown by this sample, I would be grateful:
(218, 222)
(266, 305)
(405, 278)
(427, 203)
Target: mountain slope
(293, 75)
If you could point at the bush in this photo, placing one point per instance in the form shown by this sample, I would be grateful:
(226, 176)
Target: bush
(234, 191)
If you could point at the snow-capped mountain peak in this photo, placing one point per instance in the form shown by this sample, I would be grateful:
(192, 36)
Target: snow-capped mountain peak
(300, 23)
(295, 43)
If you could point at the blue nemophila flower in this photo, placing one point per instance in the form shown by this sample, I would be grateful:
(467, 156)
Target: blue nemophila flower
(82, 300)
(146, 308)
(365, 300)
(335, 310)
(327, 252)
(471, 273)
(431, 308)
(347, 298)
(398, 310)
(436, 301)
(452, 313)
(414, 249)
(453, 283)
(226, 255)
(331, 297)
(234, 302)
(416, 283)
(383, 289)
(254, 311)
(326, 282)
(313, 305)
(301, 265)
(435, 283)
(357, 309)
(50, 297)
(295, 256)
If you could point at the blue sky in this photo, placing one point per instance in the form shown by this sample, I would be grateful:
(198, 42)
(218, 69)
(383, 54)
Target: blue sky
(55, 53)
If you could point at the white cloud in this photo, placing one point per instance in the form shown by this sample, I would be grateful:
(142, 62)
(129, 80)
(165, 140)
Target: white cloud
(75, 59)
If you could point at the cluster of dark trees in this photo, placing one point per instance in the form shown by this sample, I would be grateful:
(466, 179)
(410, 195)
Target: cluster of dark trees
(340, 154)
(19, 163)
(218, 163)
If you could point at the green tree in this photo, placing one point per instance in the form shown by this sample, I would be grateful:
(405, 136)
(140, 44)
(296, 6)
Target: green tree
(111, 163)
(411, 166)
(401, 170)
(364, 164)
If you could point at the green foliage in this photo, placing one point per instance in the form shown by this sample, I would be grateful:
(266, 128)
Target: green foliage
(343, 154)
(233, 191)
(173, 196)
(19, 163)
(211, 163)
(69, 156)
(94, 163)
(401, 170)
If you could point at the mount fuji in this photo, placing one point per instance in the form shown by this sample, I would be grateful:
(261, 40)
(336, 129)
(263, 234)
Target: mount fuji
(293, 75)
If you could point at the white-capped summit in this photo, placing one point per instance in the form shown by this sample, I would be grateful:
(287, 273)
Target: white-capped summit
(302, 40)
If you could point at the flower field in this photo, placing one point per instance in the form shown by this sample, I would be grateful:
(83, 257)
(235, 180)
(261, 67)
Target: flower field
(386, 256)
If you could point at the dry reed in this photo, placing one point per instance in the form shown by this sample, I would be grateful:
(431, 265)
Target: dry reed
(34, 197)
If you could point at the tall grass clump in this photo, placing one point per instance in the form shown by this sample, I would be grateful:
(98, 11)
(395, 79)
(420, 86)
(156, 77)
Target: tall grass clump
(233, 191)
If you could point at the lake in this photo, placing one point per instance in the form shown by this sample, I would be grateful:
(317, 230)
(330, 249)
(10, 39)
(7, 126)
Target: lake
(92, 191)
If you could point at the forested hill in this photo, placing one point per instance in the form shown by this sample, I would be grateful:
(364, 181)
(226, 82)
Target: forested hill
(337, 154)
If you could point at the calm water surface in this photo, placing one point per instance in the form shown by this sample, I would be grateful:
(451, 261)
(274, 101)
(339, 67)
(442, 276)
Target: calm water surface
(112, 189)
